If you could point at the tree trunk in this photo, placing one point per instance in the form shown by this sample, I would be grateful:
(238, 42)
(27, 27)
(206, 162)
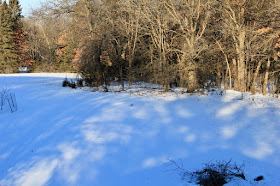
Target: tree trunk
(192, 80)
(235, 72)
(182, 71)
(248, 82)
(121, 76)
(241, 62)
(229, 74)
(218, 78)
(277, 85)
(89, 17)
(253, 86)
(228, 66)
(130, 71)
(165, 74)
(266, 77)
(272, 87)
(182, 82)
(225, 79)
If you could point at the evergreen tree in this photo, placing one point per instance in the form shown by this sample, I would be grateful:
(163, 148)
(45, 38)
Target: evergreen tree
(13, 39)
(16, 11)
(8, 57)
(21, 43)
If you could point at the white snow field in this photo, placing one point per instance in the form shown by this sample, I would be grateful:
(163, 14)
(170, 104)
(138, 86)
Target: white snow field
(63, 136)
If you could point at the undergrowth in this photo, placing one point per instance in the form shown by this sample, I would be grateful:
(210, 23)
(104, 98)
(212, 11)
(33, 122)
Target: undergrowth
(212, 174)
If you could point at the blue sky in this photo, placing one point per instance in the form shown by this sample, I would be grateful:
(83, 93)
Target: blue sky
(27, 5)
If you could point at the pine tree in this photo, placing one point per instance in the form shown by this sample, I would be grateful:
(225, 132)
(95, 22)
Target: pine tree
(21, 43)
(16, 11)
(8, 57)
(13, 39)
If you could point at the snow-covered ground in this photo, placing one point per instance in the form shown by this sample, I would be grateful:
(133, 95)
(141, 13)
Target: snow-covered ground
(63, 136)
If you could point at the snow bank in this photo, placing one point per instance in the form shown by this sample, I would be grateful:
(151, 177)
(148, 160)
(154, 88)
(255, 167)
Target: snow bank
(58, 75)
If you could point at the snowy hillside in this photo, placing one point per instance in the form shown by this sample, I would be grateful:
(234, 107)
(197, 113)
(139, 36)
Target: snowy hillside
(63, 136)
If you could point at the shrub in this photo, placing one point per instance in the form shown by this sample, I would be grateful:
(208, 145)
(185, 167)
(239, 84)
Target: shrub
(105, 89)
(9, 98)
(65, 82)
(80, 82)
(213, 174)
(89, 81)
(72, 84)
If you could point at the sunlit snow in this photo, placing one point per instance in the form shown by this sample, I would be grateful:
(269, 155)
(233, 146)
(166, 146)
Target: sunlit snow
(63, 136)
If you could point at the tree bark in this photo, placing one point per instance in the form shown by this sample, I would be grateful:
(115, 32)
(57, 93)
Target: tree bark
(218, 78)
(192, 80)
(241, 62)
(235, 74)
(277, 85)
(253, 86)
(121, 76)
(130, 71)
(266, 77)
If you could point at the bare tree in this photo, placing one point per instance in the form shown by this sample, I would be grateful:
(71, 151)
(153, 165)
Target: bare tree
(168, 42)
(192, 17)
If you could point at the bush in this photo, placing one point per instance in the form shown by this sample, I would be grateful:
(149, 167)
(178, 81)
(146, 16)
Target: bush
(80, 82)
(213, 174)
(72, 84)
(8, 98)
(89, 81)
(65, 82)
(105, 89)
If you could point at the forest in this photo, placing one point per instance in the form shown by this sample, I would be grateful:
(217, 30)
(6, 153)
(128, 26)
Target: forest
(230, 44)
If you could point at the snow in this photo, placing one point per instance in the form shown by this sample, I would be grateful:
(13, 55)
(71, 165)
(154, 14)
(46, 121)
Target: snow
(58, 75)
(63, 136)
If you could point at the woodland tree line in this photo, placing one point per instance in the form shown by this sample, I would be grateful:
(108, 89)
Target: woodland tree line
(186, 43)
